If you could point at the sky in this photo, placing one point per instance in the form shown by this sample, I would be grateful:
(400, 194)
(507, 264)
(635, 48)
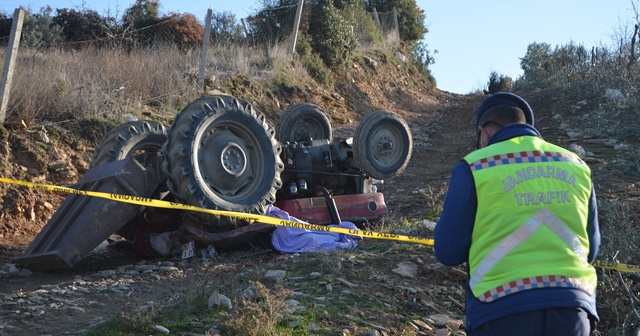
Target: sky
(472, 38)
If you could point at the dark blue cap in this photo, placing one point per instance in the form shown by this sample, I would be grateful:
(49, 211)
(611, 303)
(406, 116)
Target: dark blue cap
(505, 98)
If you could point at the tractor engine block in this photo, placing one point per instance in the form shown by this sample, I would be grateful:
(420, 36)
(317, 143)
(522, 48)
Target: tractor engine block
(320, 163)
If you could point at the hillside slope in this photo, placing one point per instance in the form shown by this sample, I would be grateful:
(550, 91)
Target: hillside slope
(362, 291)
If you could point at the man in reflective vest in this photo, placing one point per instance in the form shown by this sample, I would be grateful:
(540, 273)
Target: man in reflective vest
(522, 214)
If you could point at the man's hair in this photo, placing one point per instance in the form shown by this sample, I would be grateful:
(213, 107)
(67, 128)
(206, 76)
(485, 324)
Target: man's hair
(503, 115)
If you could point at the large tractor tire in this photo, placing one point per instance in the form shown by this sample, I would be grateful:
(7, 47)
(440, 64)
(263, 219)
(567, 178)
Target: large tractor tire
(142, 140)
(302, 122)
(221, 154)
(134, 138)
(382, 145)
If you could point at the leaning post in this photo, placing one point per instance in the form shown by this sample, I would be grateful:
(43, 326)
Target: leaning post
(9, 61)
(395, 21)
(296, 25)
(205, 49)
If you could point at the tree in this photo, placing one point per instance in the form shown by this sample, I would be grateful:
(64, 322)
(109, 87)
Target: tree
(183, 30)
(38, 30)
(536, 63)
(499, 83)
(142, 13)
(542, 63)
(422, 58)
(81, 25)
(5, 27)
(225, 27)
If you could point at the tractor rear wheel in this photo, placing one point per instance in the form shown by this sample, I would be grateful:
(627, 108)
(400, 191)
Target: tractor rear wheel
(142, 139)
(221, 154)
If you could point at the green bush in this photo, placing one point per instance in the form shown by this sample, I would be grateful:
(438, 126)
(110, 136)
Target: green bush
(331, 33)
(365, 28)
(410, 17)
(39, 32)
(312, 62)
(499, 83)
(225, 28)
(544, 66)
(318, 70)
(142, 13)
(422, 58)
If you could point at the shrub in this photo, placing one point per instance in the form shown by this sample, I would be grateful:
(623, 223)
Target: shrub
(225, 28)
(81, 25)
(422, 58)
(183, 30)
(312, 62)
(410, 17)
(365, 27)
(499, 83)
(5, 28)
(38, 32)
(142, 13)
(318, 70)
(543, 65)
(331, 34)
(257, 315)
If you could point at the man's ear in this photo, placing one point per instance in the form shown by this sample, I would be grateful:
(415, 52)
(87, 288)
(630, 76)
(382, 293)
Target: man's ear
(484, 135)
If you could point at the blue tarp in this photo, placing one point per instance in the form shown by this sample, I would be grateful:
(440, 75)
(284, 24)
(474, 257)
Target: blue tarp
(290, 240)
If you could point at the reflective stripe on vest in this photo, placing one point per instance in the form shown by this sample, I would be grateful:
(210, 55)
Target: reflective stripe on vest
(522, 157)
(532, 207)
(545, 281)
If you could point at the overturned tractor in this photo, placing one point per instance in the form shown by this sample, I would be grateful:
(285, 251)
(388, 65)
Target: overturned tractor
(220, 153)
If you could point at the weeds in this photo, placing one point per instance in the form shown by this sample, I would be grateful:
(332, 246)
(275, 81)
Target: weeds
(434, 200)
(619, 231)
(59, 86)
(258, 315)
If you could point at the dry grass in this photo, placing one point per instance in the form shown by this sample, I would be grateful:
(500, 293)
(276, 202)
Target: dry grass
(617, 292)
(61, 85)
(258, 315)
(434, 199)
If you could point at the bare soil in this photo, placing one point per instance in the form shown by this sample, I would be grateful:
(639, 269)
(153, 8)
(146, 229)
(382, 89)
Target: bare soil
(74, 300)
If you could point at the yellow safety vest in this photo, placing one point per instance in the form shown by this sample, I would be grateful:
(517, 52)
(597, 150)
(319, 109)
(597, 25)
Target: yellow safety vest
(530, 226)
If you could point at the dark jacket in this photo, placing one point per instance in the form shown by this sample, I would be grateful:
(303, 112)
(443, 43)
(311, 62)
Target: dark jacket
(453, 240)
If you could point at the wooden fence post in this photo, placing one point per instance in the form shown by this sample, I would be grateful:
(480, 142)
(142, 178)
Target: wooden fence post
(395, 20)
(205, 49)
(296, 25)
(375, 17)
(9, 61)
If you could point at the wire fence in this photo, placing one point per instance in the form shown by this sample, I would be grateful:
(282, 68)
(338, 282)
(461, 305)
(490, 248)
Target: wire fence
(184, 30)
(109, 70)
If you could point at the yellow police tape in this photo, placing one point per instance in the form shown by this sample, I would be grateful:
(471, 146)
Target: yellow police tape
(240, 215)
(267, 219)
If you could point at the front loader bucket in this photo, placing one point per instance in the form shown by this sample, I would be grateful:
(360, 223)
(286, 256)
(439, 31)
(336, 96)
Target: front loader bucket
(82, 222)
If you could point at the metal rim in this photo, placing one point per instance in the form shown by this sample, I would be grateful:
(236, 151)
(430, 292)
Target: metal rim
(228, 158)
